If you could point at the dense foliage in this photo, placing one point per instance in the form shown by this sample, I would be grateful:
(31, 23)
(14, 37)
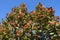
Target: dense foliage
(40, 24)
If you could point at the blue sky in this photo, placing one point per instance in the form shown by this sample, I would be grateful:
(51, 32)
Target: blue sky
(7, 5)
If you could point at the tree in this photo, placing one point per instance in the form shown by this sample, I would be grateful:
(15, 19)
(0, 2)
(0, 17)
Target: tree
(40, 24)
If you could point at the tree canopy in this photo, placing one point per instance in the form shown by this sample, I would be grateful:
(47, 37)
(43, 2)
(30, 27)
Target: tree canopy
(40, 24)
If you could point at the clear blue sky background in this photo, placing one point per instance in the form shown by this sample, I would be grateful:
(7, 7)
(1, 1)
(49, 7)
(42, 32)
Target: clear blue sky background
(7, 5)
